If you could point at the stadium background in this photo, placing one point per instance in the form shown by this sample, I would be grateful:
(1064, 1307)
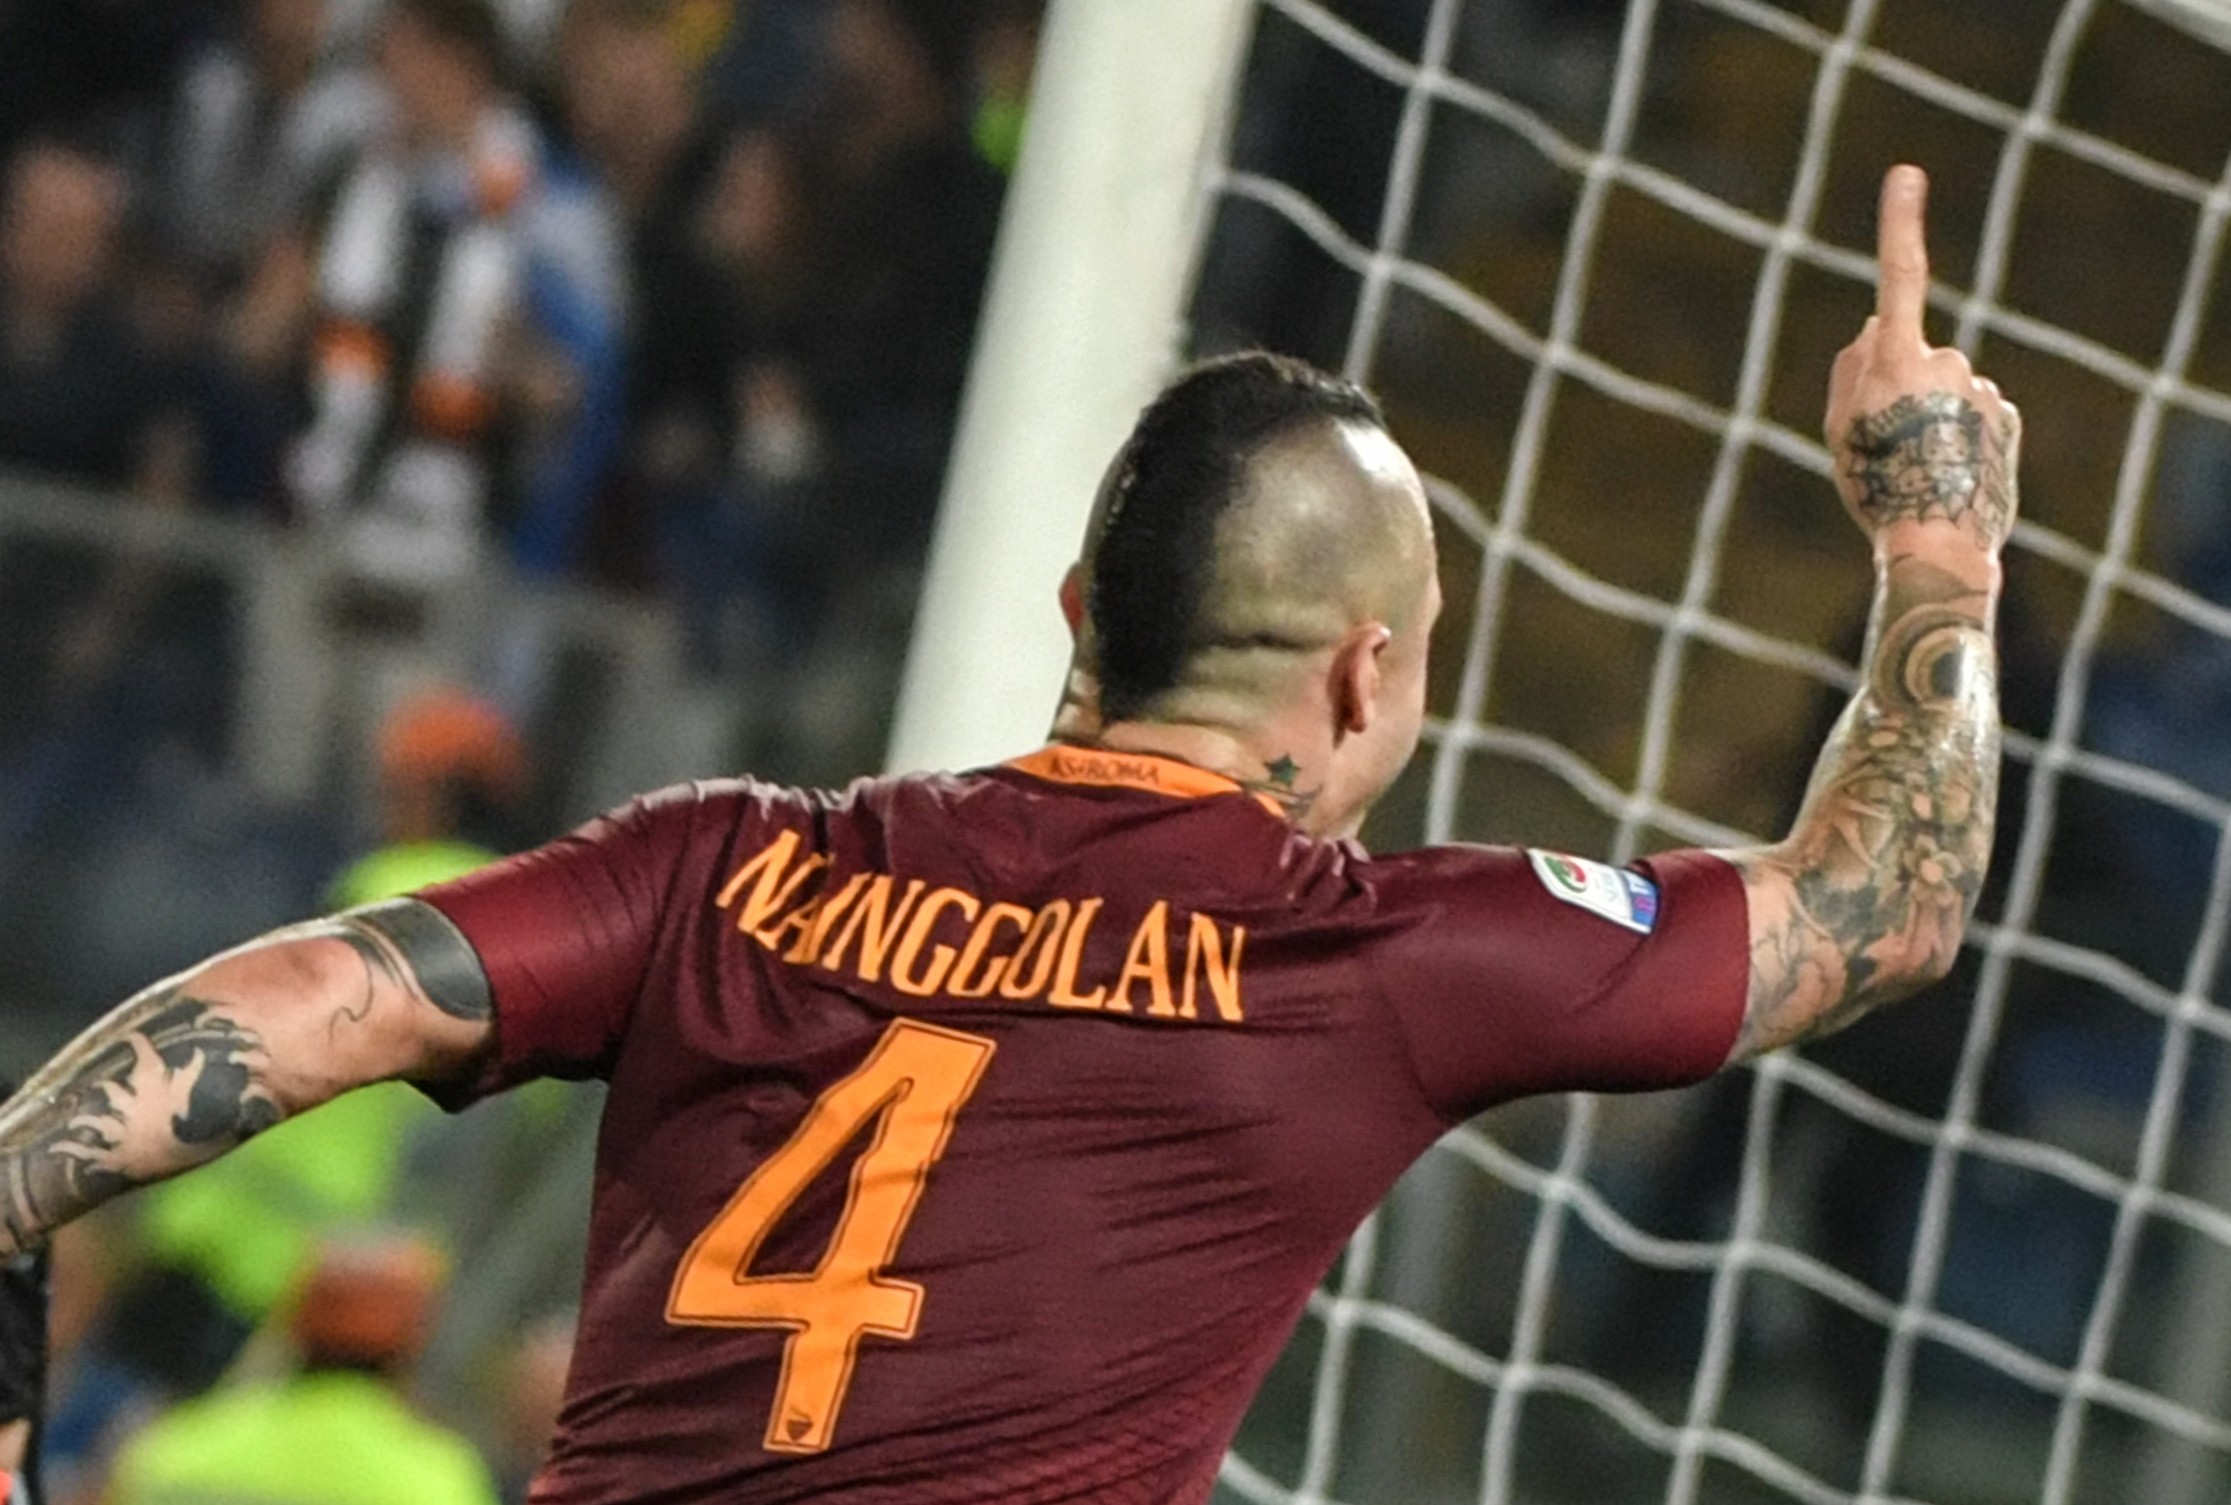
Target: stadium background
(199, 666)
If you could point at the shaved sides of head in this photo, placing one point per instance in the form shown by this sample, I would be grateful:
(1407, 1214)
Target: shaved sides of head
(1258, 512)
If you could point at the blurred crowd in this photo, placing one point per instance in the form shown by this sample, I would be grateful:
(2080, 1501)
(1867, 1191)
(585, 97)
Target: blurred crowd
(674, 296)
(668, 299)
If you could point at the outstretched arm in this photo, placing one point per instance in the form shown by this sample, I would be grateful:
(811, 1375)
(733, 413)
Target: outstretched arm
(201, 1063)
(1867, 898)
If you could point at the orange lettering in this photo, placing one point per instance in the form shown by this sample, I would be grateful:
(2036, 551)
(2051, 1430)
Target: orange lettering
(903, 974)
(770, 865)
(1064, 994)
(1204, 954)
(964, 983)
(769, 935)
(817, 919)
(1148, 958)
(1044, 937)
(868, 921)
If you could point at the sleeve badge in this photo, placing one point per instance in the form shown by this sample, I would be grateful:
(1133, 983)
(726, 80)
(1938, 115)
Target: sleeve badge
(1627, 899)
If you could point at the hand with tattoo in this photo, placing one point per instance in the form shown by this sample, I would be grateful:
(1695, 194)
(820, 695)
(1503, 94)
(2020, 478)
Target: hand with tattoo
(1918, 438)
(1869, 896)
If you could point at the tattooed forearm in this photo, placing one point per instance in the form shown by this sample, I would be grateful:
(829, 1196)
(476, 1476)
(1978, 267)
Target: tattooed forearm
(1932, 457)
(1870, 895)
(164, 1083)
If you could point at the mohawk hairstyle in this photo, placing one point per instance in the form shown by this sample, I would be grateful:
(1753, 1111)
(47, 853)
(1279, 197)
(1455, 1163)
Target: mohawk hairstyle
(1183, 467)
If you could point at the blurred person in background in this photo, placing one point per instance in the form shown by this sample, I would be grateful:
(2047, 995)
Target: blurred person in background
(722, 448)
(262, 127)
(903, 214)
(454, 265)
(451, 771)
(910, 214)
(100, 658)
(729, 445)
(78, 398)
(219, 1252)
(807, 324)
(629, 103)
(338, 1430)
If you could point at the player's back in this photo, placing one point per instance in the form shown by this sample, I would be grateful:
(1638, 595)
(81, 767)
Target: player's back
(970, 1139)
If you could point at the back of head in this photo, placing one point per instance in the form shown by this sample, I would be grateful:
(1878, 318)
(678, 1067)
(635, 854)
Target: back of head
(367, 1303)
(442, 733)
(451, 765)
(1237, 533)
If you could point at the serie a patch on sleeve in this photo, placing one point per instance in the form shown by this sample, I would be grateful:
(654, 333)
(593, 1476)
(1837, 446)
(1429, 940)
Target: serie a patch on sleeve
(1624, 898)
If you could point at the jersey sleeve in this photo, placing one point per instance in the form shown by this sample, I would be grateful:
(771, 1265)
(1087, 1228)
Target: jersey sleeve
(566, 934)
(1513, 973)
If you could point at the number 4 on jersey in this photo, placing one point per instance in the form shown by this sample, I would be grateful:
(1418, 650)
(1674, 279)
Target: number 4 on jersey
(912, 1085)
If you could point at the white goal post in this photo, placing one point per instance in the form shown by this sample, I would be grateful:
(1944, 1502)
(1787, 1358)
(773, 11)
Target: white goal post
(1081, 324)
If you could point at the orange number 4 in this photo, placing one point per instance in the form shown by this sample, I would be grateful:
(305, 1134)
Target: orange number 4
(914, 1083)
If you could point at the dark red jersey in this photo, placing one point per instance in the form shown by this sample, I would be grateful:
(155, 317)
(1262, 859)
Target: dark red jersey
(980, 1138)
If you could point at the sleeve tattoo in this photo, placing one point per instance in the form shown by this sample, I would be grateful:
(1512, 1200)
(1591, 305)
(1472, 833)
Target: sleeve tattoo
(165, 1082)
(1870, 896)
(172, 1078)
(416, 947)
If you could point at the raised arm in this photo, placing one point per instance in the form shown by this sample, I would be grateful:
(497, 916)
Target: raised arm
(201, 1063)
(1867, 898)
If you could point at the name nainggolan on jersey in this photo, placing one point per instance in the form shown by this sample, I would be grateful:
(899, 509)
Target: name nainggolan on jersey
(925, 941)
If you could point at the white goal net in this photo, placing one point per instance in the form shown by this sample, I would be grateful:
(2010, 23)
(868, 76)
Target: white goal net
(1596, 258)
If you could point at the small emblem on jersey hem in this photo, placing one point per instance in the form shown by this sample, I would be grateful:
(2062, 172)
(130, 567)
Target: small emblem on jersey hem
(1626, 899)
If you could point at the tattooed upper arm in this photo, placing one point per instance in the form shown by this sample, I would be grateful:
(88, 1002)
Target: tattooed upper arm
(412, 1000)
(417, 947)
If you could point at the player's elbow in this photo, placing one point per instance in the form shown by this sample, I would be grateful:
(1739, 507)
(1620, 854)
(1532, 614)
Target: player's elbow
(314, 1009)
(1919, 946)
(1828, 948)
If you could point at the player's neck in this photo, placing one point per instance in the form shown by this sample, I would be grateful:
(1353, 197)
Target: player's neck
(1262, 759)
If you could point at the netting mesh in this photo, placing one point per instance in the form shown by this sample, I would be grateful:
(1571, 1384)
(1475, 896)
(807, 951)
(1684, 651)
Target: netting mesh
(1597, 258)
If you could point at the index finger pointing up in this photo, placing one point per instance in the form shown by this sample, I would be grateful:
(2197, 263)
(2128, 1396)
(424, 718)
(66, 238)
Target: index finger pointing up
(1902, 251)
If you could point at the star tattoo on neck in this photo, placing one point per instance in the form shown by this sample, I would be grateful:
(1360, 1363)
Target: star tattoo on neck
(1283, 772)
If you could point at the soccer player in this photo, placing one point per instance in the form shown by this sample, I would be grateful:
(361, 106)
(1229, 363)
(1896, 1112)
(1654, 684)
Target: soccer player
(979, 1138)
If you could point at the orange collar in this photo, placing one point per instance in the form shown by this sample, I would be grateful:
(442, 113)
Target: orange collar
(1123, 770)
